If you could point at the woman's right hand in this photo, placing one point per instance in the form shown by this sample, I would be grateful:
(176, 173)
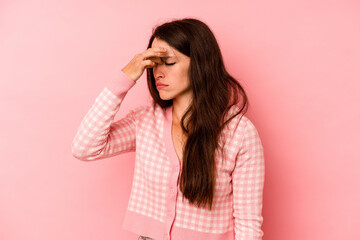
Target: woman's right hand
(148, 59)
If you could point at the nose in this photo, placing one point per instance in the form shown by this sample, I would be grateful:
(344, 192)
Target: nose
(158, 71)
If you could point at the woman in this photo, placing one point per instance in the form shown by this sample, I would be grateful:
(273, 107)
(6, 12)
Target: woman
(199, 169)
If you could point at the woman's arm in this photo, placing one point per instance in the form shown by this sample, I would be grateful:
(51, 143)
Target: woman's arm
(248, 182)
(98, 137)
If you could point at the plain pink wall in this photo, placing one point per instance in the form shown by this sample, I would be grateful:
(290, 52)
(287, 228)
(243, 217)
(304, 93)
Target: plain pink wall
(298, 60)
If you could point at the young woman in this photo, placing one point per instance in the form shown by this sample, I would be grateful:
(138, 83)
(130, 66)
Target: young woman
(199, 169)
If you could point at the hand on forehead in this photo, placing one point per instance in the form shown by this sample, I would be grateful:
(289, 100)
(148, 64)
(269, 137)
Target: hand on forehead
(161, 60)
(171, 55)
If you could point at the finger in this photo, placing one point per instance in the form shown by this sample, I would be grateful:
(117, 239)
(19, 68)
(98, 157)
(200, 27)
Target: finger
(159, 49)
(155, 59)
(154, 52)
(149, 64)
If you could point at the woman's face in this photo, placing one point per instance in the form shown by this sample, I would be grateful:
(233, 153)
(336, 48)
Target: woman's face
(172, 73)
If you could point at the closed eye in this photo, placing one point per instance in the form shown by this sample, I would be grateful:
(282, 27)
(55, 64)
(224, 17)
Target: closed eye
(163, 59)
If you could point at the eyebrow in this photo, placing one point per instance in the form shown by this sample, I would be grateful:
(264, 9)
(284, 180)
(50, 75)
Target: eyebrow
(168, 59)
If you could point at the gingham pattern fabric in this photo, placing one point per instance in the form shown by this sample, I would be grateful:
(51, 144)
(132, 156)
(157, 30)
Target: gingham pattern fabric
(155, 198)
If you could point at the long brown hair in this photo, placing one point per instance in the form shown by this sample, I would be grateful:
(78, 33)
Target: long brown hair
(214, 93)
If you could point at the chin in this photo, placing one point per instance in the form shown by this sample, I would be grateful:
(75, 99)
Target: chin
(164, 97)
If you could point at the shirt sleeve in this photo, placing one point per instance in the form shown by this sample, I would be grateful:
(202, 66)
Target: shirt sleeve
(248, 182)
(98, 136)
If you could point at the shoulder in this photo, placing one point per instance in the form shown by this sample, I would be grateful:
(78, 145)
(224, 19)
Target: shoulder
(240, 127)
(239, 121)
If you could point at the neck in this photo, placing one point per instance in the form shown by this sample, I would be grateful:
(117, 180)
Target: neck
(180, 105)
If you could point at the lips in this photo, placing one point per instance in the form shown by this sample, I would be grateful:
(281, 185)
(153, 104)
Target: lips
(160, 85)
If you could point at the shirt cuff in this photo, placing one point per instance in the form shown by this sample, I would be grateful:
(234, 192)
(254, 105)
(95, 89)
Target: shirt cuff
(120, 85)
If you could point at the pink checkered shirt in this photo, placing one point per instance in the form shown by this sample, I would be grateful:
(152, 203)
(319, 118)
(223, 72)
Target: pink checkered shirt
(155, 208)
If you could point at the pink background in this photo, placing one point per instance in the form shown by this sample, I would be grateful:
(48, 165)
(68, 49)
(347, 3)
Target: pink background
(298, 61)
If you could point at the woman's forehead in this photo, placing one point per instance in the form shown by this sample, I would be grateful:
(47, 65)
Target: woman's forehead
(160, 43)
